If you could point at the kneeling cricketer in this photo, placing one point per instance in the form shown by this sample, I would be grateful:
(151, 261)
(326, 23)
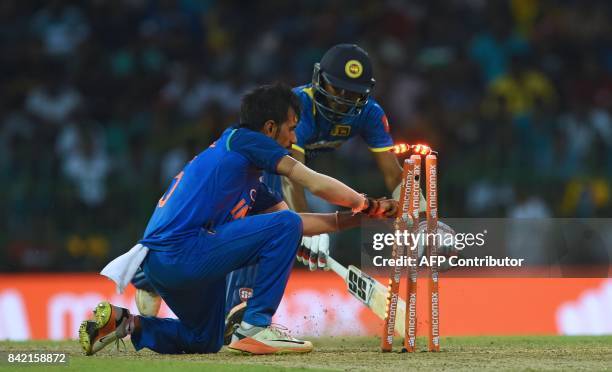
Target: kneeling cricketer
(216, 217)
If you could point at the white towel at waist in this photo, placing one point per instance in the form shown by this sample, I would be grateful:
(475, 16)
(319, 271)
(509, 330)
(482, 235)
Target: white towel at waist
(121, 270)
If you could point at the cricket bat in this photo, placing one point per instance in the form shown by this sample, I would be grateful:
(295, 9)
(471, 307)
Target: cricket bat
(368, 290)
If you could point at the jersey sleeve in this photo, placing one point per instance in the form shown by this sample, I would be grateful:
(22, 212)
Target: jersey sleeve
(266, 198)
(375, 131)
(260, 150)
(305, 129)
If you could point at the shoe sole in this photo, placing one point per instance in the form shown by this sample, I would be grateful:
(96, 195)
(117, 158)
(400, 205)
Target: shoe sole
(233, 322)
(102, 314)
(253, 347)
(89, 329)
(87, 332)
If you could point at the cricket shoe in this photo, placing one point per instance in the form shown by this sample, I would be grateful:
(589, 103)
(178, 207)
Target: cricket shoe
(267, 340)
(232, 321)
(110, 324)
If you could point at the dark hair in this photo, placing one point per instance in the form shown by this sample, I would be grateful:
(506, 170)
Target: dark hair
(267, 102)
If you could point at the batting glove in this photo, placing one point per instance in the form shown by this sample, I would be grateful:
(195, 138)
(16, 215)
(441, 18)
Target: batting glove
(382, 207)
(314, 251)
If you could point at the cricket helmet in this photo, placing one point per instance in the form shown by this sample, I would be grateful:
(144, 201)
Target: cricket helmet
(348, 70)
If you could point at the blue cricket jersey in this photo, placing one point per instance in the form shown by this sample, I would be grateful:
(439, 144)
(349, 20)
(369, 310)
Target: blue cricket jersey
(219, 185)
(316, 134)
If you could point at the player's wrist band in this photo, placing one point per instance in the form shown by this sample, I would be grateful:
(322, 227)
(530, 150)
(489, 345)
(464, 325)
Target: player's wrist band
(370, 204)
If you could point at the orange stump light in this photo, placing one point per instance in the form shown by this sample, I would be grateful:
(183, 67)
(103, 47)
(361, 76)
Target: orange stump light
(418, 149)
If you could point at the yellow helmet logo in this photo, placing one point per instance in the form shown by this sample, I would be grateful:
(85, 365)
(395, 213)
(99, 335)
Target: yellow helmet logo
(353, 69)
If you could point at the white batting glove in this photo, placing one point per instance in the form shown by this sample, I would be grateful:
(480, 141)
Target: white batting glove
(314, 251)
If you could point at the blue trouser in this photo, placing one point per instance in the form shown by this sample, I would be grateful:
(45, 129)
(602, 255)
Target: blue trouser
(191, 280)
(244, 278)
(239, 286)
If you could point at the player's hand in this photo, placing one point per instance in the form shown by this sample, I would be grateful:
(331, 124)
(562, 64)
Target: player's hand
(382, 207)
(314, 251)
(389, 207)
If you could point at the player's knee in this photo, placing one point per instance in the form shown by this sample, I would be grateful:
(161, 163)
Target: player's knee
(291, 221)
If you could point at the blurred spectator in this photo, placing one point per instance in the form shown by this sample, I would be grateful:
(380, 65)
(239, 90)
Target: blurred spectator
(529, 230)
(493, 47)
(529, 206)
(584, 128)
(53, 102)
(85, 162)
(519, 88)
(540, 138)
(585, 197)
(405, 90)
(60, 26)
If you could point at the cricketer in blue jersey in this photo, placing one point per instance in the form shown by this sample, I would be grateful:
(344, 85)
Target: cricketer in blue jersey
(336, 106)
(216, 217)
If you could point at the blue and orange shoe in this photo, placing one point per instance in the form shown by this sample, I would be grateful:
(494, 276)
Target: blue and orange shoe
(110, 324)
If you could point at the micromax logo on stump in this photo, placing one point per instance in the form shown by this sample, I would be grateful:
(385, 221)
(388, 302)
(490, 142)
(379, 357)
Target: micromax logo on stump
(392, 312)
(432, 192)
(435, 323)
(412, 317)
(416, 197)
(407, 191)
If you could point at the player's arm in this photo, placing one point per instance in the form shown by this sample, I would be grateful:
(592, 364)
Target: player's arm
(390, 168)
(293, 191)
(325, 187)
(321, 223)
(377, 136)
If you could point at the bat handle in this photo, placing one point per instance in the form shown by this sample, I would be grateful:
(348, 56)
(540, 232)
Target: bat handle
(337, 267)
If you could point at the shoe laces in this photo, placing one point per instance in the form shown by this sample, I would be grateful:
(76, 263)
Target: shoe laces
(280, 330)
(124, 328)
(120, 341)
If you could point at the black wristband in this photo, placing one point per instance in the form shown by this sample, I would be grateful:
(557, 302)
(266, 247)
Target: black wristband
(371, 202)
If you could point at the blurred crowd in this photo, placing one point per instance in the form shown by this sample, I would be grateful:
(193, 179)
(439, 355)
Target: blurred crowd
(103, 101)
